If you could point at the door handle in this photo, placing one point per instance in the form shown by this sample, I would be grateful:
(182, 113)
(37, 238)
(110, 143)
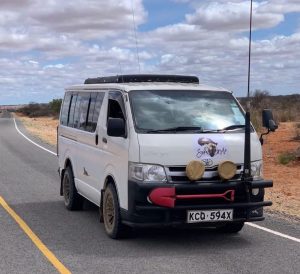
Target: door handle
(104, 140)
(96, 139)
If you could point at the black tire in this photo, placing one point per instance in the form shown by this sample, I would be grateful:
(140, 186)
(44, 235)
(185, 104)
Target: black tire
(232, 227)
(73, 200)
(111, 213)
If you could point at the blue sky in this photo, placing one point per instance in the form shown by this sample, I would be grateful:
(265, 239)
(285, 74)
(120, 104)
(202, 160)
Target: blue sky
(48, 45)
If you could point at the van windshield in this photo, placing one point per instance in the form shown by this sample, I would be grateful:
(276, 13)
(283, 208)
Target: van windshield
(158, 111)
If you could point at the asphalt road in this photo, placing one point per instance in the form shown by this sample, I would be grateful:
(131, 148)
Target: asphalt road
(29, 183)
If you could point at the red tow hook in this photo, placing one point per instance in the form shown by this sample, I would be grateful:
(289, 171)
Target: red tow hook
(167, 196)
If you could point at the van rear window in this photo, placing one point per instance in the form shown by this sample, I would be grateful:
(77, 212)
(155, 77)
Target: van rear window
(65, 109)
(72, 110)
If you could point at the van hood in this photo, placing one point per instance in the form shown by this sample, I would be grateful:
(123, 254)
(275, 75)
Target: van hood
(180, 149)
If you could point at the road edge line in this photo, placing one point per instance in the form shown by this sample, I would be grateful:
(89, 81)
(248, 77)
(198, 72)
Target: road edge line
(41, 147)
(34, 238)
(274, 232)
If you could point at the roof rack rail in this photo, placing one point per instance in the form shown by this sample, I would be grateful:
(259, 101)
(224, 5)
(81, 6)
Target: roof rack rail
(137, 78)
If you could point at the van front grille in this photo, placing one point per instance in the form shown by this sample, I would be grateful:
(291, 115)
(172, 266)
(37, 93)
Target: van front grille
(177, 174)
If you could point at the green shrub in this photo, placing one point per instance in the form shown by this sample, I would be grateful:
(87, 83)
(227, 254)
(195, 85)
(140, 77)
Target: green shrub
(286, 157)
(55, 105)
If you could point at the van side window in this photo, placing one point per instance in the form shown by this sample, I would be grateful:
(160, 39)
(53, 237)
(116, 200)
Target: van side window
(94, 110)
(83, 110)
(65, 109)
(76, 112)
(72, 110)
(114, 108)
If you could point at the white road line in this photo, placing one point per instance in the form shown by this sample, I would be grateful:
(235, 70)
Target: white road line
(249, 224)
(274, 232)
(32, 141)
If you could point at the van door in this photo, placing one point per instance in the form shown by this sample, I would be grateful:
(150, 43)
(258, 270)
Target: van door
(88, 175)
(115, 149)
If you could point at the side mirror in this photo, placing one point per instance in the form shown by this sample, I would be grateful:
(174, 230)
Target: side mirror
(268, 120)
(116, 127)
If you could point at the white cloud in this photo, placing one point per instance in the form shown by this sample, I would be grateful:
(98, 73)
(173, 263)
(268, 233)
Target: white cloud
(56, 66)
(234, 16)
(281, 6)
(47, 45)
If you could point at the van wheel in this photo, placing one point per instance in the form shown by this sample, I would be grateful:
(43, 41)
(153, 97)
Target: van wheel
(232, 227)
(73, 201)
(111, 213)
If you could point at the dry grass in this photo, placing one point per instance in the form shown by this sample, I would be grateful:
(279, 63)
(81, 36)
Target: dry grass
(41, 127)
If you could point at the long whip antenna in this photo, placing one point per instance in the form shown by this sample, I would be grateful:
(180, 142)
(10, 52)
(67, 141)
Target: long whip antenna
(247, 148)
(135, 36)
(249, 60)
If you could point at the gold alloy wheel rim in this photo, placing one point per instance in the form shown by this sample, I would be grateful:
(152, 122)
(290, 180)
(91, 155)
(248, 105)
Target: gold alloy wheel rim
(109, 211)
(66, 189)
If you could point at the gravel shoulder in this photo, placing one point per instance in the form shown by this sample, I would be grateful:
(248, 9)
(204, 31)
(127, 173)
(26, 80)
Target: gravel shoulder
(286, 191)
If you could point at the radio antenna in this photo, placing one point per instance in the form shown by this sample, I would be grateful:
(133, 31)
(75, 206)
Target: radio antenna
(247, 148)
(249, 59)
(135, 36)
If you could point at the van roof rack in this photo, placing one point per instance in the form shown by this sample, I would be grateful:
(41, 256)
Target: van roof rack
(137, 78)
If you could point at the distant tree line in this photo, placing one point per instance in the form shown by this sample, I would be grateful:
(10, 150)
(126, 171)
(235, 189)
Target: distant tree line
(286, 108)
(46, 109)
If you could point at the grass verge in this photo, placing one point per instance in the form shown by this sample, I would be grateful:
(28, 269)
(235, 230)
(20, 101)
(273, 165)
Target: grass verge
(42, 127)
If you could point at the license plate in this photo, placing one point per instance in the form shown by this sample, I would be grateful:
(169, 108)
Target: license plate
(217, 215)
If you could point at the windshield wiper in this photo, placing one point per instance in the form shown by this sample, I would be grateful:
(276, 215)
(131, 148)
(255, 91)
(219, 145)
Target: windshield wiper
(175, 129)
(232, 127)
(212, 130)
(193, 129)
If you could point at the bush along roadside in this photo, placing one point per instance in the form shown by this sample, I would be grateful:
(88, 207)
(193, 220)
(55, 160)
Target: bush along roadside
(285, 108)
(287, 157)
(37, 110)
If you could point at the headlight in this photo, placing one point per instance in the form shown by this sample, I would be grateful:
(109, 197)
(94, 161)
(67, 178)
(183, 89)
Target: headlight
(256, 170)
(146, 173)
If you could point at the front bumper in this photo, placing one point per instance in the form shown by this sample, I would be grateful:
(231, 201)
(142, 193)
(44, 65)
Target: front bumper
(192, 196)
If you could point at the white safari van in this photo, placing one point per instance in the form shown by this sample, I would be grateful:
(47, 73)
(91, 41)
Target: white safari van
(157, 150)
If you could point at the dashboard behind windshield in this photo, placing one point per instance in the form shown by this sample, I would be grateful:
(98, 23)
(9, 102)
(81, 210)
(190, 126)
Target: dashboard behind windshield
(155, 110)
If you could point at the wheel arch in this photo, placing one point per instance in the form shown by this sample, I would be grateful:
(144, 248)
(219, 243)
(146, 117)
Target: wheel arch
(108, 180)
(67, 163)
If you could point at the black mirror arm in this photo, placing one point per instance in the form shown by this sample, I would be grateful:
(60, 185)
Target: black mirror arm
(261, 139)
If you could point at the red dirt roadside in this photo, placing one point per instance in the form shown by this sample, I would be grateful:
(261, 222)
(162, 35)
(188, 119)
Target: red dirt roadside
(286, 191)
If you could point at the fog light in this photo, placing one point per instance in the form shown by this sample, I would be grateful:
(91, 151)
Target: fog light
(227, 170)
(255, 191)
(195, 170)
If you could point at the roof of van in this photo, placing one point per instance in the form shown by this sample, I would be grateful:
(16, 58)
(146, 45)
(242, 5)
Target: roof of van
(145, 82)
(127, 87)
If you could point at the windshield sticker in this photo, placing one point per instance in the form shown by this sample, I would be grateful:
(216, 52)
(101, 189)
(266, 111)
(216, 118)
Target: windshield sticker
(210, 148)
